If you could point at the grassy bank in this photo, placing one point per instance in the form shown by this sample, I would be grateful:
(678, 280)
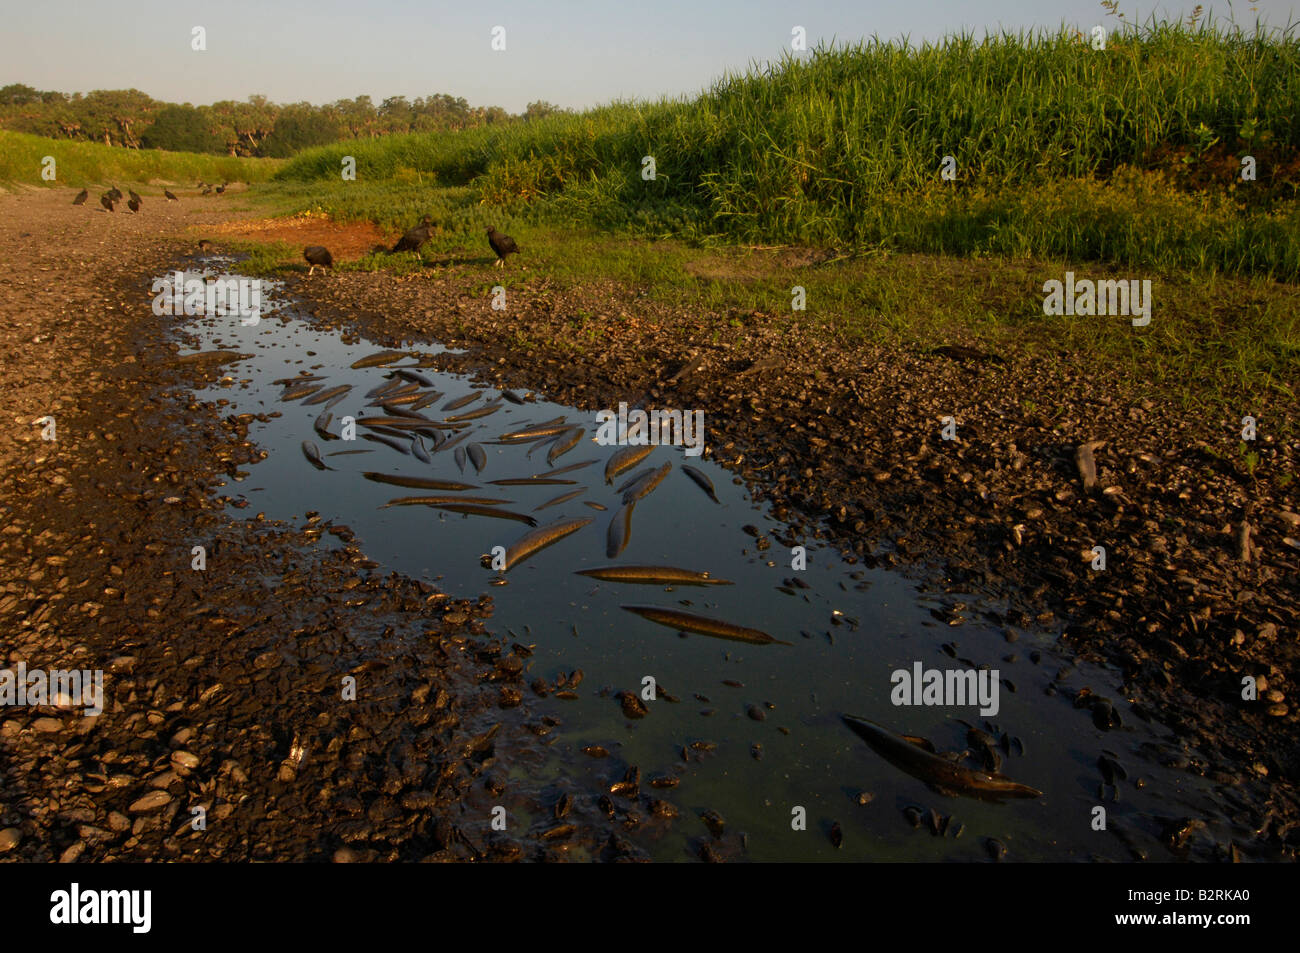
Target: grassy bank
(80, 164)
(1130, 155)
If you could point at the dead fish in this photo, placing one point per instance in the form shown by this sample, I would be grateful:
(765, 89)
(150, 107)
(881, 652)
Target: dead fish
(653, 575)
(321, 425)
(418, 451)
(943, 775)
(532, 481)
(535, 433)
(293, 393)
(440, 500)
(425, 400)
(388, 442)
(595, 506)
(418, 483)
(397, 411)
(383, 388)
(643, 487)
(300, 379)
(337, 399)
(312, 453)
(631, 480)
(562, 498)
(211, 357)
(538, 539)
(462, 401)
(569, 469)
(446, 445)
(625, 459)
(398, 422)
(474, 509)
(415, 377)
(703, 481)
(460, 459)
(512, 397)
(474, 414)
(477, 456)
(324, 395)
(345, 453)
(619, 533)
(1087, 465)
(690, 622)
(378, 359)
(564, 443)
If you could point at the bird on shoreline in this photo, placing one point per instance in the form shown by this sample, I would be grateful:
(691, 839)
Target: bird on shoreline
(81, 197)
(317, 256)
(136, 198)
(415, 237)
(134, 203)
(170, 196)
(106, 200)
(503, 245)
(115, 194)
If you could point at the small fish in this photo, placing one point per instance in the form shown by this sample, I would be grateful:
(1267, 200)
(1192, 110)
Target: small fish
(690, 622)
(619, 533)
(477, 456)
(345, 453)
(378, 359)
(383, 388)
(565, 443)
(569, 469)
(387, 442)
(703, 481)
(211, 357)
(535, 433)
(538, 539)
(293, 393)
(425, 400)
(532, 481)
(415, 377)
(460, 459)
(595, 506)
(474, 414)
(441, 500)
(947, 777)
(562, 498)
(322, 425)
(300, 379)
(394, 410)
(625, 459)
(418, 451)
(512, 397)
(445, 445)
(327, 394)
(398, 422)
(643, 487)
(417, 483)
(476, 510)
(312, 453)
(462, 401)
(637, 475)
(653, 575)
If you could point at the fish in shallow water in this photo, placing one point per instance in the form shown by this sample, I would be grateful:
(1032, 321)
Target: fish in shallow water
(474, 414)
(690, 622)
(562, 498)
(569, 469)
(463, 400)
(477, 456)
(625, 459)
(619, 533)
(538, 539)
(324, 395)
(388, 442)
(322, 425)
(653, 575)
(312, 453)
(474, 509)
(418, 451)
(379, 359)
(440, 500)
(417, 483)
(549, 429)
(946, 777)
(563, 444)
(646, 484)
(701, 480)
(532, 481)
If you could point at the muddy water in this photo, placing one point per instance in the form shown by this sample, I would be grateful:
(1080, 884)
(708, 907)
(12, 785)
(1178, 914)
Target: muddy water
(849, 630)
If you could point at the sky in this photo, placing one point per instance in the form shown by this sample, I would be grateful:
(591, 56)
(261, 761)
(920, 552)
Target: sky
(573, 53)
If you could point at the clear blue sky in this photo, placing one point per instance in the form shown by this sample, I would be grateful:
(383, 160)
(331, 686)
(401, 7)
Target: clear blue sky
(573, 53)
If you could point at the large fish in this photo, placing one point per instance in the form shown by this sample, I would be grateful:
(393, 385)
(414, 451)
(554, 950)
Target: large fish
(418, 451)
(474, 414)
(946, 777)
(211, 357)
(302, 390)
(703, 481)
(619, 533)
(418, 483)
(532, 481)
(477, 456)
(569, 469)
(322, 425)
(642, 487)
(548, 429)
(312, 453)
(388, 442)
(625, 459)
(538, 539)
(384, 388)
(326, 395)
(653, 575)
(300, 379)
(415, 377)
(632, 478)
(440, 500)
(562, 498)
(474, 509)
(690, 622)
(394, 410)
(463, 400)
(379, 359)
(448, 444)
(425, 400)
(563, 444)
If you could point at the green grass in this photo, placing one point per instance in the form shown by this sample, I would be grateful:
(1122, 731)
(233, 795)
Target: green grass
(79, 164)
(1128, 155)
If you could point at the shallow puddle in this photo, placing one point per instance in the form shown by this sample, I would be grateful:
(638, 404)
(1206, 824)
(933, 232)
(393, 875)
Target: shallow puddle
(848, 627)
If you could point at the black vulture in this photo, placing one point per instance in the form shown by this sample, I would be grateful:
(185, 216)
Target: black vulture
(81, 197)
(222, 187)
(205, 245)
(106, 200)
(207, 190)
(501, 244)
(133, 204)
(416, 236)
(115, 194)
(317, 255)
(170, 196)
(131, 192)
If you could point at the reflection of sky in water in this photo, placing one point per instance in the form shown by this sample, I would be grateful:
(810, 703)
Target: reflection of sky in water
(850, 630)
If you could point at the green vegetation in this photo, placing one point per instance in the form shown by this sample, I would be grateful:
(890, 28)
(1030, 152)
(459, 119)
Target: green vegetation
(89, 163)
(1129, 155)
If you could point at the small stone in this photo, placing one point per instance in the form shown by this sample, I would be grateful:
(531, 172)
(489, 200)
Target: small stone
(150, 802)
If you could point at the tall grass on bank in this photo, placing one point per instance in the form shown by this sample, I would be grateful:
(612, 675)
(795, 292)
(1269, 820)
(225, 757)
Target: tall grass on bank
(89, 163)
(843, 147)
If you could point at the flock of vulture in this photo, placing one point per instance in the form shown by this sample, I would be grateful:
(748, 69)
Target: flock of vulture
(317, 256)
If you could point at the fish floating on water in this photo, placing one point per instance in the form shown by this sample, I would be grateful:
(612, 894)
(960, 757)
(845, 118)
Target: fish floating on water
(211, 357)
(312, 453)
(463, 400)
(562, 498)
(643, 487)
(619, 533)
(532, 481)
(690, 622)
(535, 433)
(564, 443)
(418, 483)
(477, 456)
(625, 459)
(703, 481)
(441, 500)
(474, 414)
(946, 777)
(378, 360)
(474, 509)
(653, 575)
(538, 539)
(324, 395)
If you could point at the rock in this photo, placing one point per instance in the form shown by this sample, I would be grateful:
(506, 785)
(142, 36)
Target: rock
(150, 802)
(10, 838)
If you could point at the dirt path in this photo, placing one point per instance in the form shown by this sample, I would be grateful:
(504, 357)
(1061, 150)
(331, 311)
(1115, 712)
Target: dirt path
(224, 689)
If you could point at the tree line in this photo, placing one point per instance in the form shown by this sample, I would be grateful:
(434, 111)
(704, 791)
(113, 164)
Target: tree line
(258, 127)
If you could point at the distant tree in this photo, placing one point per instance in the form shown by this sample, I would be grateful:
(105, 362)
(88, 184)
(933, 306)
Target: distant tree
(18, 94)
(297, 128)
(540, 108)
(181, 129)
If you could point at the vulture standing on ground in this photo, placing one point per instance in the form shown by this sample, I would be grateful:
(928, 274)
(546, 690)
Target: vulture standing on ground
(222, 187)
(207, 190)
(317, 255)
(131, 192)
(501, 244)
(415, 237)
(106, 200)
(115, 194)
(170, 196)
(81, 197)
(133, 204)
